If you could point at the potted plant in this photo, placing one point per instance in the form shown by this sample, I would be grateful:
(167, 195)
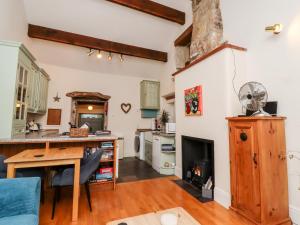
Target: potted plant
(164, 118)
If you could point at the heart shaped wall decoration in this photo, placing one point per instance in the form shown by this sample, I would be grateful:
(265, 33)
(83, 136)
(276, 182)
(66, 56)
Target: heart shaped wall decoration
(126, 107)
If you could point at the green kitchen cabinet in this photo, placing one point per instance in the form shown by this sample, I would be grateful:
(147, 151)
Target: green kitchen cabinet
(33, 88)
(38, 97)
(150, 95)
(43, 91)
(17, 88)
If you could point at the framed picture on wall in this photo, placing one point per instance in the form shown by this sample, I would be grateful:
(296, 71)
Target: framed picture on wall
(54, 117)
(193, 101)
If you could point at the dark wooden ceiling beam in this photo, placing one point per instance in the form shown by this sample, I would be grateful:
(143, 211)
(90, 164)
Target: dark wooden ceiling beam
(154, 8)
(50, 34)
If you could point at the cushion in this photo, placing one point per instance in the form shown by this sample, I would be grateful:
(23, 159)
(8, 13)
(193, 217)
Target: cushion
(27, 219)
(19, 196)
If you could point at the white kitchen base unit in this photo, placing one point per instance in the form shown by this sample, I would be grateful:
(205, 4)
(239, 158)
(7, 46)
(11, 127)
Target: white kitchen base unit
(163, 161)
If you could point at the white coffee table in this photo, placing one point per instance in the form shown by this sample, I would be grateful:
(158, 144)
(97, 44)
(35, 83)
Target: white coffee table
(154, 218)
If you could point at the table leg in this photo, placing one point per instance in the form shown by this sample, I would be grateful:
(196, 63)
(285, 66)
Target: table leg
(47, 146)
(76, 190)
(11, 171)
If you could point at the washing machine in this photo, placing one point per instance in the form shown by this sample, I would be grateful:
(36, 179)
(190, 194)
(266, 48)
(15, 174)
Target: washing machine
(139, 145)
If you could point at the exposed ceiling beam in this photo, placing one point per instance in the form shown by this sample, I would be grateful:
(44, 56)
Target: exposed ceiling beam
(154, 8)
(50, 34)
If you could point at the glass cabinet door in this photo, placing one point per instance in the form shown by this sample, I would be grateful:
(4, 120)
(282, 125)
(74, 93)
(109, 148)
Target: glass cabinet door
(20, 111)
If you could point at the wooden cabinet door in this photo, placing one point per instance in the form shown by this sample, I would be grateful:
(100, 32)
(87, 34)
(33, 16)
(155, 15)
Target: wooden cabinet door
(274, 177)
(156, 153)
(21, 98)
(245, 181)
(32, 89)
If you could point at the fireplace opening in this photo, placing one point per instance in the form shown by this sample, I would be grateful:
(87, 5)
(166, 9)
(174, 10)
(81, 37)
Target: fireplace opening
(198, 167)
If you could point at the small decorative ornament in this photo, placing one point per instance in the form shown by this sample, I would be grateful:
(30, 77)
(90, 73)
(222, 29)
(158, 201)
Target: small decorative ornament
(56, 98)
(126, 107)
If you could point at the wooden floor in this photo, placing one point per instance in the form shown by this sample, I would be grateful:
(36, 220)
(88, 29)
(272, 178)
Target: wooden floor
(135, 198)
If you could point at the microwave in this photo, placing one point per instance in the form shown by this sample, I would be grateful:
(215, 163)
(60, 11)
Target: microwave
(170, 128)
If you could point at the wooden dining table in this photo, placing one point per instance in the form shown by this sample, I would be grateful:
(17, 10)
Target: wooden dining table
(50, 157)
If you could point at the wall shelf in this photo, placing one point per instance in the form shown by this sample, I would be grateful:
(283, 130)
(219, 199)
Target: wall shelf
(185, 38)
(170, 98)
(207, 55)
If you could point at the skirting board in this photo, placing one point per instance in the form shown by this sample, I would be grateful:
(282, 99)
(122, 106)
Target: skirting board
(178, 172)
(222, 197)
(295, 214)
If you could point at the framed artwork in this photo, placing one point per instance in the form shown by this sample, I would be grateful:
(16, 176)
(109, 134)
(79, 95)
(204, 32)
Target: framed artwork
(193, 101)
(54, 117)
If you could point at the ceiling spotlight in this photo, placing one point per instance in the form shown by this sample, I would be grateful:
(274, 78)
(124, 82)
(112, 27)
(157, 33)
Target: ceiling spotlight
(121, 58)
(276, 28)
(99, 55)
(91, 52)
(90, 107)
(109, 56)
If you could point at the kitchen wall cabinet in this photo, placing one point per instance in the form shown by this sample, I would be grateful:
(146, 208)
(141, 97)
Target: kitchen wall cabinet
(38, 97)
(43, 97)
(258, 169)
(21, 98)
(18, 73)
(150, 94)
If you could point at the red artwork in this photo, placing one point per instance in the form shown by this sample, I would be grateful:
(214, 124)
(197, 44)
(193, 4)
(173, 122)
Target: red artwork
(193, 101)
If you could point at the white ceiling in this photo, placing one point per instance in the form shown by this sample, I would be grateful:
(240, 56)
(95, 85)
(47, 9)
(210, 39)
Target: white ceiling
(105, 20)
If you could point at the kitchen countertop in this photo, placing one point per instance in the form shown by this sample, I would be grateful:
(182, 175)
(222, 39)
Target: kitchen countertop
(55, 139)
(163, 134)
(144, 129)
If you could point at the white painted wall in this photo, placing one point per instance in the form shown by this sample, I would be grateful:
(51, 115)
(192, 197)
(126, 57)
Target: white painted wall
(123, 27)
(274, 61)
(219, 101)
(13, 25)
(167, 81)
(120, 88)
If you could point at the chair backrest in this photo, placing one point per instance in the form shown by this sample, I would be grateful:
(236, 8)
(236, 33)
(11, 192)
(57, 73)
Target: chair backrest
(3, 166)
(90, 165)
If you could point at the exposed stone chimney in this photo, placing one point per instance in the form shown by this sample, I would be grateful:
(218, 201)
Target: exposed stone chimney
(207, 27)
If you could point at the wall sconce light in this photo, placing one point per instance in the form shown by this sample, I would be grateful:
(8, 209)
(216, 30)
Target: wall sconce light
(99, 55)
(276, 28)
(90, 107)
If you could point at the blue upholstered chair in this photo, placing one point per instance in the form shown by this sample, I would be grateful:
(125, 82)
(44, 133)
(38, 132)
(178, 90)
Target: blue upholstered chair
(20, 201)
(66, 177)
(30, 172)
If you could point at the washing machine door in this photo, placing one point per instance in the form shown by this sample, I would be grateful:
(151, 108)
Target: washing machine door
(137, 144)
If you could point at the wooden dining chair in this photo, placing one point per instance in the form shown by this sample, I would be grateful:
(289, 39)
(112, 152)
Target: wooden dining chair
(66, 177)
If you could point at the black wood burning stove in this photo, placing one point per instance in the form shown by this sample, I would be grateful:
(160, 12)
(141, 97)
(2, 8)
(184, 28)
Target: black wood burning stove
(197, 166)
(199, 173)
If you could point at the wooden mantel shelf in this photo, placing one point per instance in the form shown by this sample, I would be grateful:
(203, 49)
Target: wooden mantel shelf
(207, 55)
